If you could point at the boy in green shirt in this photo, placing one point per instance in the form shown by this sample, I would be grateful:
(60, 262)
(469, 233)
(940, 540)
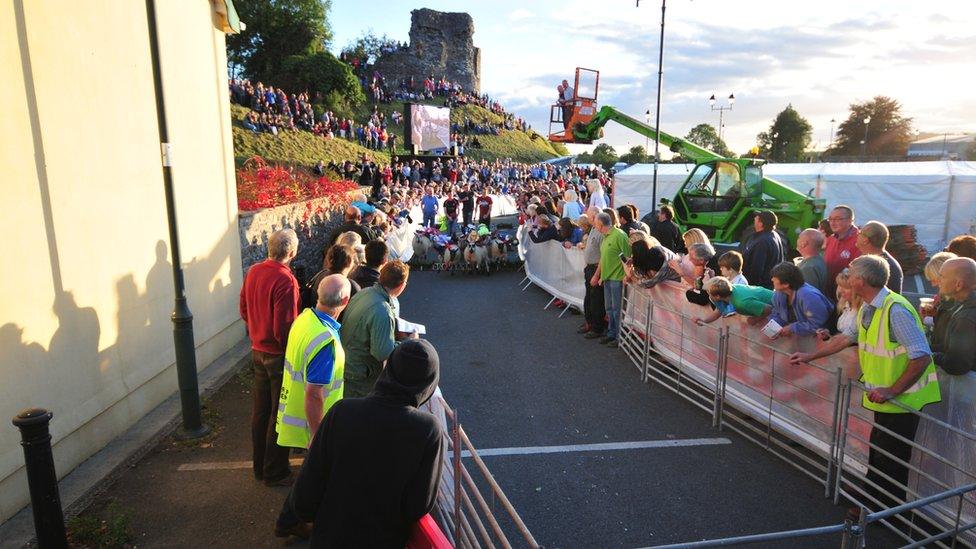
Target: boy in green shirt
(729, 299)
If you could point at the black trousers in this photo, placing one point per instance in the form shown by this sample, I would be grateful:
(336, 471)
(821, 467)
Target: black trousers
(594, 310)
(270, 460)
(466, 216)
(905, 425)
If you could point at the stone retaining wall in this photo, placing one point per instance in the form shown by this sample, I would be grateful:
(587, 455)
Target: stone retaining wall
(313, 220)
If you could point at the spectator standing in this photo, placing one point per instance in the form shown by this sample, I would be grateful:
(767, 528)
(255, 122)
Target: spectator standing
(730, 265)
(963, 246)
(610, 273)
(484, 203)
(429, 206)
(338, 260)
(593, 308)
(956, 351)
(627, 221)
(368, 273)
(797, 306)
(369, 328)
(573, 208)
(931, 313)
(467, 205)
(373, 469)
(351, 221)
(841, 246)
(896, 364)
(269, 305)
(452, 207)
(809, 244)
(764, 250)
(598, 199)
(546, 231)
(872, 239)
(666, 231)
(314, 362)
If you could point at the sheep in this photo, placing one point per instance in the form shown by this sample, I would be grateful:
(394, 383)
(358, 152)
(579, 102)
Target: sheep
(475, 254)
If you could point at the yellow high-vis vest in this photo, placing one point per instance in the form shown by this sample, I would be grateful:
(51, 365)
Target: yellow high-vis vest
(308, 336)
(883, 361)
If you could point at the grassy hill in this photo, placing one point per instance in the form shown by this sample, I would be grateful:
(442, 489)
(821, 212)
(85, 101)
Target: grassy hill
(303, 148)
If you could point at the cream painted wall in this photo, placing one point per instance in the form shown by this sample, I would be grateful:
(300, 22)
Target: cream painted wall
(87, 288)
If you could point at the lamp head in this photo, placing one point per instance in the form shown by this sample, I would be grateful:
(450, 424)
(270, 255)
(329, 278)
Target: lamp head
(731, 99)
(711, 100)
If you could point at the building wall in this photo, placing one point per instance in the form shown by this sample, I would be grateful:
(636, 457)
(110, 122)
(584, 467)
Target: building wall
(87, 285)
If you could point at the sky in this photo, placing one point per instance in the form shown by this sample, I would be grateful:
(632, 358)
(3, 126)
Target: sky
(818, 56)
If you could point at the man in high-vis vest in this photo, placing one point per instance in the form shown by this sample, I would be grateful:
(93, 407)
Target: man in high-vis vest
(314, 365)
(896, 367)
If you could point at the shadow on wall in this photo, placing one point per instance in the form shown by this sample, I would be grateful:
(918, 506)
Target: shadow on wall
(76, 381)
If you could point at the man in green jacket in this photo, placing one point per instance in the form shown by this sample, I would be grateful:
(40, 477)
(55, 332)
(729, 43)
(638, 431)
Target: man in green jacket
(369, 329)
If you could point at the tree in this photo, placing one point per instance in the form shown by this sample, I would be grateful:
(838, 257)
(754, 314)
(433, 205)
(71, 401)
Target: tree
(322, 75)
(887, 132)
(971, 151)
(368, 47)
(704, 135)
(276, 30)
(787, 139)
(636, 155)
(602, 155)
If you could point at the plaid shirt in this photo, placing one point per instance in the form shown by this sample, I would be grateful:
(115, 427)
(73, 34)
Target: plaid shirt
(903, 327)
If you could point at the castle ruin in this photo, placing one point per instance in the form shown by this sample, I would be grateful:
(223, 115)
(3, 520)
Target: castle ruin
(441, 44)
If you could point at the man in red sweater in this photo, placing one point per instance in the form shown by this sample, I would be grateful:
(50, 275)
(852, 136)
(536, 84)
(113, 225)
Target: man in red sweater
(841, 247)
(269, 305)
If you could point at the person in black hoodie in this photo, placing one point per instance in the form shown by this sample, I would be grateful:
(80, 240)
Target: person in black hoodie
(667, 232)
(373, 467)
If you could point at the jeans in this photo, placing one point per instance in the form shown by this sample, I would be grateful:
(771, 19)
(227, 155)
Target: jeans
(612, 295)
(593, 309)
(452, 226)
(429, 219)
(270, 460)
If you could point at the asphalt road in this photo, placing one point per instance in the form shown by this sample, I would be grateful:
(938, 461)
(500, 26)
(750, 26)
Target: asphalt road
(521, 377)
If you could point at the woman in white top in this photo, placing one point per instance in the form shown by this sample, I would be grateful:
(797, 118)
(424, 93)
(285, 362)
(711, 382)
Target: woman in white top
(848, 303)
(598, 199)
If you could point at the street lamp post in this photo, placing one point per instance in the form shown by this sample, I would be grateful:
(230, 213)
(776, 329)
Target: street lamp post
(647, 138)
(721, 111)
(831, 144)
(864, 142)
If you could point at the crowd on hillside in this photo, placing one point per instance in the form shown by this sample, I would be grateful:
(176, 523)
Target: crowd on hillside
(842, 287)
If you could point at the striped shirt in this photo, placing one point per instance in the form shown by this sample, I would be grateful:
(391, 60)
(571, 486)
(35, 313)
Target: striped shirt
(904, 329)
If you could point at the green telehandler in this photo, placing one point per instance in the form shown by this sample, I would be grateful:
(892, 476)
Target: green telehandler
(720, 196)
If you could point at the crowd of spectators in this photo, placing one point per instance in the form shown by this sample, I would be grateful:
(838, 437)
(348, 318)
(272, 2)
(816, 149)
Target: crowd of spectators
(840, 285)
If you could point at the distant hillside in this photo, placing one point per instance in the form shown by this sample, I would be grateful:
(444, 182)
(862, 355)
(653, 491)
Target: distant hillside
(305, 149)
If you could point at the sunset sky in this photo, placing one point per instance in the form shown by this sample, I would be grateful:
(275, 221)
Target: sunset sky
(818, 56)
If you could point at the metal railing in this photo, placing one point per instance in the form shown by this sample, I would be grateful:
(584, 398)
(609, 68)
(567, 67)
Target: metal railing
(810, 416)
(464, 513)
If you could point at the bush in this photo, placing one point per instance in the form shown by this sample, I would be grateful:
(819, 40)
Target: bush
(321, 74)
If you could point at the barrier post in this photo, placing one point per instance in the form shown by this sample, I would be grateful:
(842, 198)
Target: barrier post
(719, 365)
(42, 480)
(457, 478)
(835, 426)
(845, 401)
(645, 358)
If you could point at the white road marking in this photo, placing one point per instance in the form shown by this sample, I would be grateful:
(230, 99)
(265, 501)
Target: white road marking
(515, 451)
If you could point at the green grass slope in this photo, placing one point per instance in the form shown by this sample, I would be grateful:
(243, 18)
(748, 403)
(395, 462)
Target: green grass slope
(293, 148)
(303, 148)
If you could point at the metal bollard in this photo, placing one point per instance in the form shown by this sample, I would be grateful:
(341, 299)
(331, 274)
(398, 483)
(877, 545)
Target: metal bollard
(41, 477)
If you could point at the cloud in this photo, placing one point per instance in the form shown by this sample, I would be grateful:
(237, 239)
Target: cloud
(520, 14)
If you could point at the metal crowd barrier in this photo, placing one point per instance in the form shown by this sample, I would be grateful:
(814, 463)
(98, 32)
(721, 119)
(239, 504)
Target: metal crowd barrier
(465, 514)
(809, 415)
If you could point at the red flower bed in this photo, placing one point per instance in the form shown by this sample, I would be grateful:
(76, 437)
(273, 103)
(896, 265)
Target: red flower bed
(261, 185)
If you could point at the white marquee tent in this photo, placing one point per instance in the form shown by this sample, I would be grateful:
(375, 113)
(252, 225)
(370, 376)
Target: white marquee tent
(939, 198)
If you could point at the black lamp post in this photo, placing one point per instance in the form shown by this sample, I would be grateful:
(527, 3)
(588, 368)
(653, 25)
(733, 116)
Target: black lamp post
(186, 361)
(864, 142)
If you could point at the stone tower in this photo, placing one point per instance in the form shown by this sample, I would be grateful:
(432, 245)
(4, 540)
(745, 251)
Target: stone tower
(441, 44)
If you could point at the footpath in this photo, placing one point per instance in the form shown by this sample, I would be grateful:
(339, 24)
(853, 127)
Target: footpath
(194, 493)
